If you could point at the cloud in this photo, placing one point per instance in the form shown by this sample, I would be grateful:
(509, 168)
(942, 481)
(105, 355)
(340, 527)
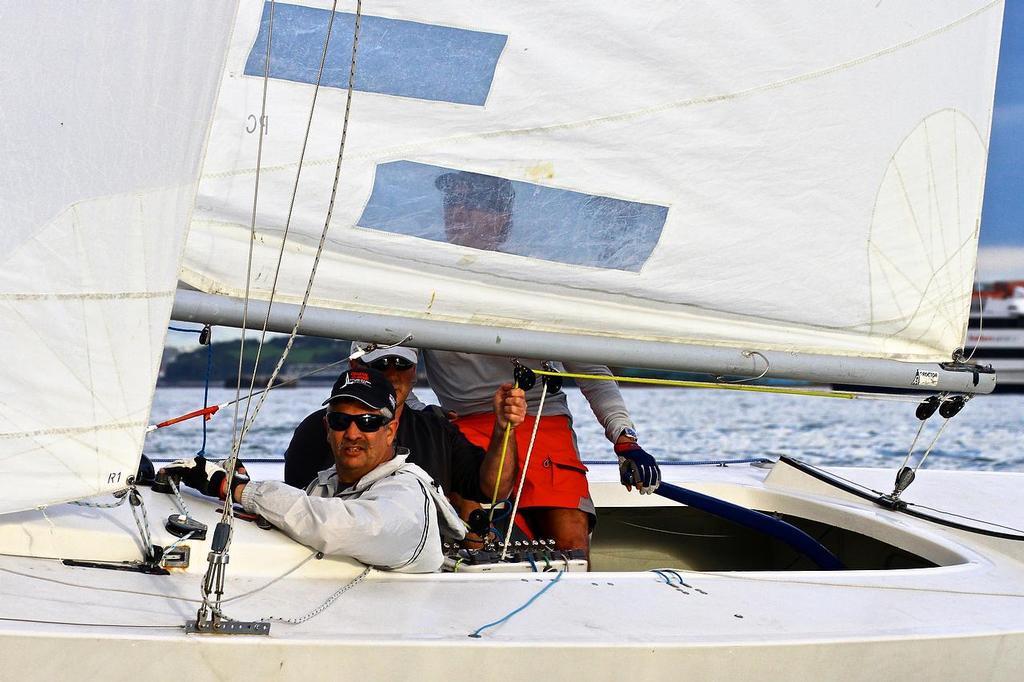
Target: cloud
(1000, 262)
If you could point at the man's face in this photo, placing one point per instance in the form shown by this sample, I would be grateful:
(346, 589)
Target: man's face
(479, 228)
(402, 380)
(357, 453)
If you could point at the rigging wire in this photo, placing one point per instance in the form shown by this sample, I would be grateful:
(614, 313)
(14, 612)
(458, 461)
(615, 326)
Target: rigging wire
(287, 228)
(89, 625)
(327, 220)
(260, 131)
(214, 578)
(208, 412)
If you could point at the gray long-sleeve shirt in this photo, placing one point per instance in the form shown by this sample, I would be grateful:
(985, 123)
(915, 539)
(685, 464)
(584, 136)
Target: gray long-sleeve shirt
(465, 384)
(392, 518)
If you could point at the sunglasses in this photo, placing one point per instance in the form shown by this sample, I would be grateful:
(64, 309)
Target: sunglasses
(383, 364)
(367, 423)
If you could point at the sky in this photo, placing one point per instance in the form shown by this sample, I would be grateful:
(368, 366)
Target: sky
(1001, 253)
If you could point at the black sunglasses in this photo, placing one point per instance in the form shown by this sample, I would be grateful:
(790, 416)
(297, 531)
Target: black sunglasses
(367, 423)
(383, 364)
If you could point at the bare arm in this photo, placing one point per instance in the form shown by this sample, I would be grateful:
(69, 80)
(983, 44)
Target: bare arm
(509, 409)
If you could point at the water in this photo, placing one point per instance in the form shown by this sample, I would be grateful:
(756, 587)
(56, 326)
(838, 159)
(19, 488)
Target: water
(674, 425)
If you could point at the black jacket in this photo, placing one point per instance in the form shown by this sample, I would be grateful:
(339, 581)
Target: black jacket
(434, 443)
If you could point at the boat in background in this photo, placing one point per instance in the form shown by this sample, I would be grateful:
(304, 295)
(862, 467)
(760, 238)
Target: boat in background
(996, 333)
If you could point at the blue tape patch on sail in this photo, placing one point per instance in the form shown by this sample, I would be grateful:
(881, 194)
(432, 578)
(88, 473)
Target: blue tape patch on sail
(395, 57)
(495, 214)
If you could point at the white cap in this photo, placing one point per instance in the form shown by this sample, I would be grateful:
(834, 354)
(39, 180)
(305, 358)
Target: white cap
(396, 352)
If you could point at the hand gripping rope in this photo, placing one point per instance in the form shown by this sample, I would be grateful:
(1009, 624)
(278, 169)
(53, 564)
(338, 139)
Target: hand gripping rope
(526, 377)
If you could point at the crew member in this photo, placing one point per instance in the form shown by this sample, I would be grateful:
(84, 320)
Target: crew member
(373, 505)
(555, 501)
(456, 464)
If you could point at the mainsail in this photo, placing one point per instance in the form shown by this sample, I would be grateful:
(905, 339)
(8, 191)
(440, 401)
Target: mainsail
(794, 179)
(100, 158)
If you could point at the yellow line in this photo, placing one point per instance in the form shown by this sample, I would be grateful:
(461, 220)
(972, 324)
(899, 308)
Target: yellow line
(725, 387)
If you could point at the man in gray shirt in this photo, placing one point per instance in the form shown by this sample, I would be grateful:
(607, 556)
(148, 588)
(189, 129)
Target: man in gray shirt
(373, 506)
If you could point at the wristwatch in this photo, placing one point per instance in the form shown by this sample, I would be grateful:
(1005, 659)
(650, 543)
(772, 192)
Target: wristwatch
(629, 433)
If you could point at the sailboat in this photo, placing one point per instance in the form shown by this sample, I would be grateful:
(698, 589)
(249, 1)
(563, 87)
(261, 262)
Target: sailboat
(786, 192)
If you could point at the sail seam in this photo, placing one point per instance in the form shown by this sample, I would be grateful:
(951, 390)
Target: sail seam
(71, 430)
(88, 296)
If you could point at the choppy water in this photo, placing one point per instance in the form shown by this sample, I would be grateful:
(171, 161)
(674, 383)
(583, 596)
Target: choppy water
(675, 425)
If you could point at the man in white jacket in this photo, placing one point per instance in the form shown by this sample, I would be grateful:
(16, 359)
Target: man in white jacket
(372, 506)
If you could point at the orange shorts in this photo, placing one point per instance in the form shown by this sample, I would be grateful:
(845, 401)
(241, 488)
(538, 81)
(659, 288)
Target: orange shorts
(557, 477)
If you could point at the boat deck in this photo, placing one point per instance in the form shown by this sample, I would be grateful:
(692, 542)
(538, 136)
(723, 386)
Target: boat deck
(963, 613)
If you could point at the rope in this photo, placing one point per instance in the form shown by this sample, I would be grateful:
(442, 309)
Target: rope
(168, 548)
(209, 411)
(89, 625)
(317, 555)
(284, 238)
(935, 440)
(526, 467)
(142, 524)
(476, 633)
(178, 499)
(99, 589)
(214, 571)
(101, 505)
(913, 444)
(206, 388)
(235, 438)
(862, 586)
(846, 395)
(501, 468)
(323, 233)
(662, 573)
(323, 607)
(705, 462)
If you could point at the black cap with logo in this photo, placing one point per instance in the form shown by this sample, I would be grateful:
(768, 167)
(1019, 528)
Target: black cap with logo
(366, 385)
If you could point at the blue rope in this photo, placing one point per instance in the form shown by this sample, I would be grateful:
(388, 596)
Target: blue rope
(206, 386)
(662, 576)
(476, 633)
(696, 462)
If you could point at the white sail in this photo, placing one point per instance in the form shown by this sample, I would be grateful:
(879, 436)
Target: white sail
(99, 158)
(794, 179)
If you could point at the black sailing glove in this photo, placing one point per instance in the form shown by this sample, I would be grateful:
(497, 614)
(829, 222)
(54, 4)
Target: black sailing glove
(207, 477)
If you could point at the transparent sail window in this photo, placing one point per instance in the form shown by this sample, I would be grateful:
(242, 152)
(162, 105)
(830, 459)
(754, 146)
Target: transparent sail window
(403, 58)
(494, 214)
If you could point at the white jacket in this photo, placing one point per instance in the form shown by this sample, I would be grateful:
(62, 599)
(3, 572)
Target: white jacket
(392, 518)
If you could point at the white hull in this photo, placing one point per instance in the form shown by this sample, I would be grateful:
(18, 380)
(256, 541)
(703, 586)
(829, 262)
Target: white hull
(961, 619)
